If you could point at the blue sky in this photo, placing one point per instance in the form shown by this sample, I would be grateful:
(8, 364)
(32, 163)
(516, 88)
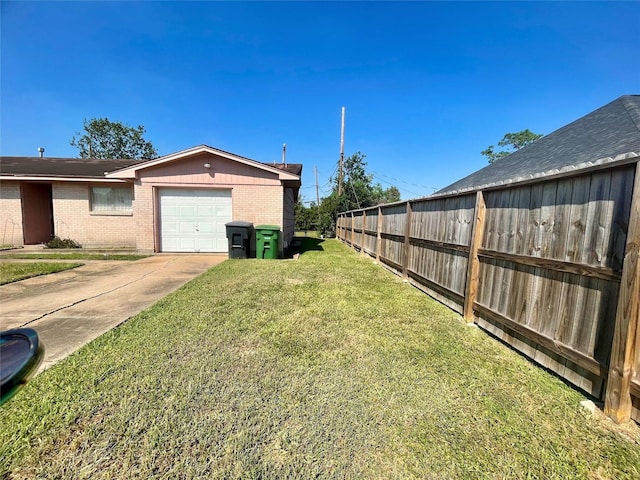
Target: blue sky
(426, 85)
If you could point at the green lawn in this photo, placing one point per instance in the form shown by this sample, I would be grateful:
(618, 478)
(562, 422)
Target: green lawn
(13, 272)
(322, 367)
(74, 256)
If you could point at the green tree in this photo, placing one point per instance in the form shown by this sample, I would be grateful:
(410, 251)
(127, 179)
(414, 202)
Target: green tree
(306, 217)
(513, 142)
(390, 195)
(105, 139)
(358, 191)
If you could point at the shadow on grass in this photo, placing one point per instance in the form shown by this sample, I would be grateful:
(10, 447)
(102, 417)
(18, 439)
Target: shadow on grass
(300, 245)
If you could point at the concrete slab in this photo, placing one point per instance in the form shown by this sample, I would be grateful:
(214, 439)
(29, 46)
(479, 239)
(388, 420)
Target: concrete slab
(69, 309)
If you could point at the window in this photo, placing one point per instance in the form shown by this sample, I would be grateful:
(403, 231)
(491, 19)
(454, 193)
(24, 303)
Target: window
(115, 200)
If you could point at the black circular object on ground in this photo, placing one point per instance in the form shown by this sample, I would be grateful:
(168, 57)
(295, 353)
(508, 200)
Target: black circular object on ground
(20, 354)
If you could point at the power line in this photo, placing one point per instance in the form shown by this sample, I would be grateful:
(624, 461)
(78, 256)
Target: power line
(403, 188)
(406, 183)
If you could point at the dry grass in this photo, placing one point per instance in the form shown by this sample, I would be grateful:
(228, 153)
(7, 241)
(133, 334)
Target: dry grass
(324, 367)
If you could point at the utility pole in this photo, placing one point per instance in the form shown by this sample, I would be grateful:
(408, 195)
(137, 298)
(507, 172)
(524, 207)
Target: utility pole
(317, 194)
(341, 155)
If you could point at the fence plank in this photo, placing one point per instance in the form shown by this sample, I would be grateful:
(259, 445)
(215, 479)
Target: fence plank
(364, 228)
(517, 281)
(626, 338)
(407, 246)
(511, 220)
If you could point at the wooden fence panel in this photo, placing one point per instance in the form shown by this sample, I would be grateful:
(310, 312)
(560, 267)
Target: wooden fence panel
(371, 231)
(392, 235)
(358, 225)
(443, 224)
(549, 267)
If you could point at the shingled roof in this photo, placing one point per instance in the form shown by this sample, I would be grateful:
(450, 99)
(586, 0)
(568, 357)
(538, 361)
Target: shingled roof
(599, 137)
(50, 167)
(60, 167)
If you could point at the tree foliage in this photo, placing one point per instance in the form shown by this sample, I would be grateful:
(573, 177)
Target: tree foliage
(306, 217)
(105, 139)
(358, 191)
(512, 142)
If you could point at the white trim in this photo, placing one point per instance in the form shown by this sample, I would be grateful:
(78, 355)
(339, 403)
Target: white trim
(131, 172)
(62, 179)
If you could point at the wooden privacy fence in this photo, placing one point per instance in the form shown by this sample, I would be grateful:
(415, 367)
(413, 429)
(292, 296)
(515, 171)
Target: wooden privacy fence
(550, 266)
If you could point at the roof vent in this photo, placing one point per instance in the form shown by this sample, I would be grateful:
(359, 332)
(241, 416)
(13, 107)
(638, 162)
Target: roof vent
(41, 151)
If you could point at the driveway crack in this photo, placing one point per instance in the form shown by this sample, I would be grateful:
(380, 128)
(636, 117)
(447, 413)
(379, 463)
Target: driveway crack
(106, 292)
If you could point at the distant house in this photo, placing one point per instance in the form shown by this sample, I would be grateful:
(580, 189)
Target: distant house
(608, 134)
(175, 203)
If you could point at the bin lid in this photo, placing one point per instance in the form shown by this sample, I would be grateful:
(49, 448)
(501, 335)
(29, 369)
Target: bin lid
(239, 224)
(20, 354)
(268, 227)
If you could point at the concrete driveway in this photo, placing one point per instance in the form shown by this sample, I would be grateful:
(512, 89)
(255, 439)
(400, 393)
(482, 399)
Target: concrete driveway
(71, 308)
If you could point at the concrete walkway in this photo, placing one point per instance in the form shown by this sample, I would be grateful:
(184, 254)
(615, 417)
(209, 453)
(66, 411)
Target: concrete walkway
(69, 309)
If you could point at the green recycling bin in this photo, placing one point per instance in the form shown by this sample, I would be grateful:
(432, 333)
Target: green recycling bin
(267, 237)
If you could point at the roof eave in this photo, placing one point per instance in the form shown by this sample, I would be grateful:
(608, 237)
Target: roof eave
(131, 172)
(58, 178)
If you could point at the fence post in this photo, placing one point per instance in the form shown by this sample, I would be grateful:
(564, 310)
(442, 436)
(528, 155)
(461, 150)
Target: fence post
(407, 244)
(624, 350)
(473, 263)
(379, 234)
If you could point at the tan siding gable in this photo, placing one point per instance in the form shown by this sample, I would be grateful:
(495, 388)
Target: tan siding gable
(222, 172)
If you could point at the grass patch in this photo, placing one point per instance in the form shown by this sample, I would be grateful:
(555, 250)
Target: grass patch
(324, 367)
(74, 256)
(307, 233)
(13, 272)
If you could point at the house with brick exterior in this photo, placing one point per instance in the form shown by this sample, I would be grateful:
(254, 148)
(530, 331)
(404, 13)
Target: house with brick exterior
(176, 203)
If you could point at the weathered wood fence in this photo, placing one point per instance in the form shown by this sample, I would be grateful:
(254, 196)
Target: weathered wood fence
(550, 266)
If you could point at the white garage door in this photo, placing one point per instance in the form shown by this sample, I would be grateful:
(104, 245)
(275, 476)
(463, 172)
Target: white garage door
(193, 220)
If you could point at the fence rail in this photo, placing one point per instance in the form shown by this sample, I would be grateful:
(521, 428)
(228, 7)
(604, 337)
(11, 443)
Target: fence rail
(551, 267)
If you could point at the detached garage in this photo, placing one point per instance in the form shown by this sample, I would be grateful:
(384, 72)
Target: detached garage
(176, 203)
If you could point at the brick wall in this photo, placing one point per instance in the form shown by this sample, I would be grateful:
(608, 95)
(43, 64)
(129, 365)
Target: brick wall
(260, 205)
(73, 219)
(143, 208)
(11, 214)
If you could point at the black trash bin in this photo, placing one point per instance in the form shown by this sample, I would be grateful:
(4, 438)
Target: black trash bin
(239, 235)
